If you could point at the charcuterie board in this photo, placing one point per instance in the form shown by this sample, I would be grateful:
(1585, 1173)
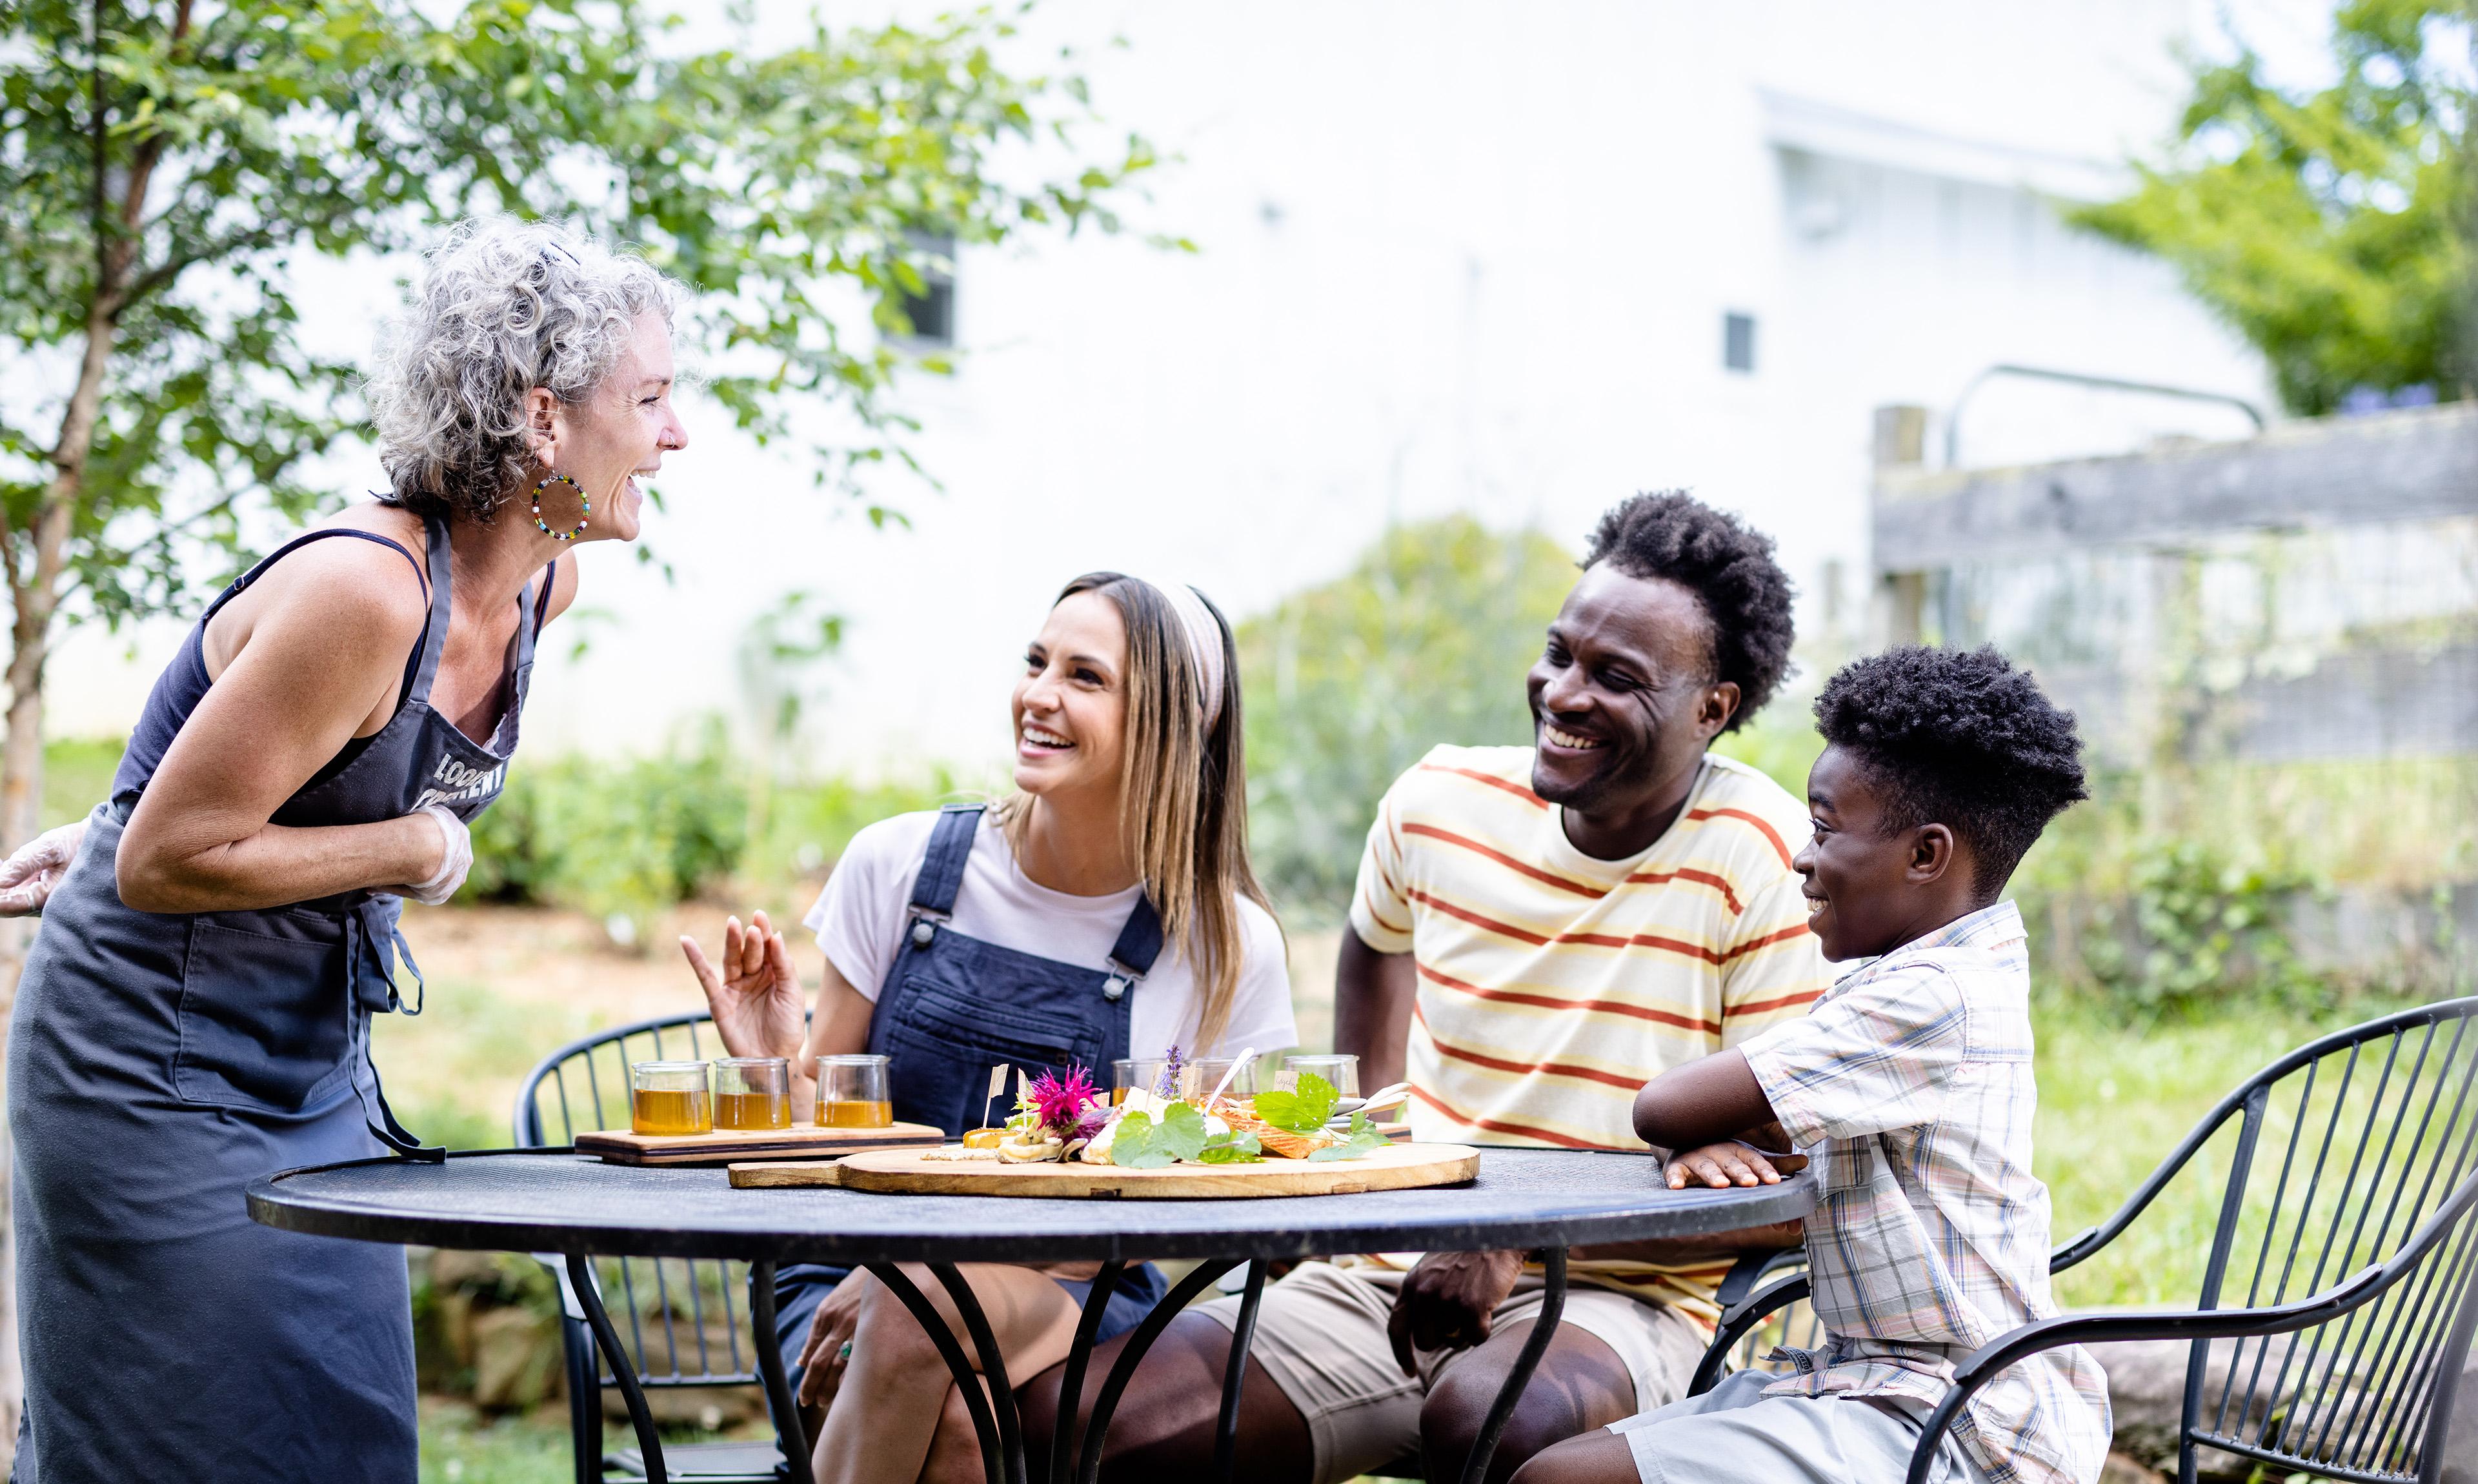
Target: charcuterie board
(908, 1172)
(801, 1141)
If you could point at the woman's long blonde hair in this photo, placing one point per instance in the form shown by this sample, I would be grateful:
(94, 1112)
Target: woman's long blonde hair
(1183, 794)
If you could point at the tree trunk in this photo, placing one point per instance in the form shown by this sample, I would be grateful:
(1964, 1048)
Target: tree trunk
(33, 590)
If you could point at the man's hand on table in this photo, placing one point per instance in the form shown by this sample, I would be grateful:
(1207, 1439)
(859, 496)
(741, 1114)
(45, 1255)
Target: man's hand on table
(1446, 1301)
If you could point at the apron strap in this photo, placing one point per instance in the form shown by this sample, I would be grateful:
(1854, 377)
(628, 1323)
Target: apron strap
(942, 866)
(1132, 956)
(303, 540)
(1140, 942)
(420, 985)
(380, 1121)
(435, 637)
(538, 611)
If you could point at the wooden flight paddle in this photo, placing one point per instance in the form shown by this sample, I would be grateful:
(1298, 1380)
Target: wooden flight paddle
(800, 1142)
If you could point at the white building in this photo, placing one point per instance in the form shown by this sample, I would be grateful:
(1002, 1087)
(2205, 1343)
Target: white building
(1451, 257)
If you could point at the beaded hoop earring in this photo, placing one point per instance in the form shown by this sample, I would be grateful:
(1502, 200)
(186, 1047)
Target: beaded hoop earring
(581, 522)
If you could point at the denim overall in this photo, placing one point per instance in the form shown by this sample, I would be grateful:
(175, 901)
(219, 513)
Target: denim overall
(158, 1063)
(951, 1008)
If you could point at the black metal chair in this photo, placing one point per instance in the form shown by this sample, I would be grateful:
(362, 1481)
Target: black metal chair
(2351, 1258)
(686, 1323)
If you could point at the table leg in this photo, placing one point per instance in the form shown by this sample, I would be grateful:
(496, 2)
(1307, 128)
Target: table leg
(589, 1297)
(1139, 1340)
(1071, 1382)
(769, 1367)
(993, 1367)
(994, 1466)
(1234, 1376)
(1544, 1328)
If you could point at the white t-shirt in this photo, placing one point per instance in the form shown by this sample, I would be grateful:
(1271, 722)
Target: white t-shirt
(861, 915)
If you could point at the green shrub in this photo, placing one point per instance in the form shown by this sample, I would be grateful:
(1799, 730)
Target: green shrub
(1426, 641)
(2195, 926)
(619, 841)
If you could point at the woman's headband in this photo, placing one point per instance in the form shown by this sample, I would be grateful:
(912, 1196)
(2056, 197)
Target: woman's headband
(1203, 640)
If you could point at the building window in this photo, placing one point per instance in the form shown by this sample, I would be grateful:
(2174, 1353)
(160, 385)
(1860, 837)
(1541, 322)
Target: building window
(1738, 341)
(933, 310)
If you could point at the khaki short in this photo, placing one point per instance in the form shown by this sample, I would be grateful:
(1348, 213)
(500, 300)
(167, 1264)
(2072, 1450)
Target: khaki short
(1321, 1335)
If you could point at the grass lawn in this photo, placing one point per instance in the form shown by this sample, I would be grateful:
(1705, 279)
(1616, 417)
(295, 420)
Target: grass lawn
(459, 1445)
(2114, 1099)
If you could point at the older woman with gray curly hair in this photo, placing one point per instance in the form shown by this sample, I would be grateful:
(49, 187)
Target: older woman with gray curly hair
(195, 1010)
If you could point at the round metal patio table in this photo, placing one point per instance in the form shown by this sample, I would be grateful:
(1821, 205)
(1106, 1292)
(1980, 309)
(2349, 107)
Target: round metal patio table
(557, 1201)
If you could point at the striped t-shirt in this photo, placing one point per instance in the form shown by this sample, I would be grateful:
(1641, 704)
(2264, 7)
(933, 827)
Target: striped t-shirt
(1551, 984)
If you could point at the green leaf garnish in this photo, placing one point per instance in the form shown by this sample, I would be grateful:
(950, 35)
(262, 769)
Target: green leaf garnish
(1181, 1131)
(1364, 1140)
(1303, 1112)
(1138, 1144)
(1229, 1149)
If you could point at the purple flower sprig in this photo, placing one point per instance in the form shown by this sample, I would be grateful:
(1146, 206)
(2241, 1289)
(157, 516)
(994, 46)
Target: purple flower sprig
(1167, 1084)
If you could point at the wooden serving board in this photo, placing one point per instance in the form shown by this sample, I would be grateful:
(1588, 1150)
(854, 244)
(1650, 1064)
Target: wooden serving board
(903, 1172)
(802, 1141)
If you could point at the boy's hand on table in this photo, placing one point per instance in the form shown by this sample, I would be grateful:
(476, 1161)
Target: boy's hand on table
(1721, 1165)
(1446, 1303)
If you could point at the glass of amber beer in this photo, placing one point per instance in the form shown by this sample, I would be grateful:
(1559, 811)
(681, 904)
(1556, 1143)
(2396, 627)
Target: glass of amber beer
(669, 1098)
(752, 1092)
(852, 1092)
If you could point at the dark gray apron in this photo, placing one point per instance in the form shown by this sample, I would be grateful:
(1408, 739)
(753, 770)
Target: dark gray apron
(158, 1063)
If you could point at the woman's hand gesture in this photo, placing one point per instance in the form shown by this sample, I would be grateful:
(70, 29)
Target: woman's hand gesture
(759, 1008)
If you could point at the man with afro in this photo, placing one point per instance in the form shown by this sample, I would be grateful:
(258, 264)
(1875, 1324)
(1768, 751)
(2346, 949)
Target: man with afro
(1912, 1080)
(1537, 930)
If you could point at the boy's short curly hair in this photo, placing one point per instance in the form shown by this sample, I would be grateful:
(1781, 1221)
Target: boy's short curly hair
(1728, 568)
(1962, 740)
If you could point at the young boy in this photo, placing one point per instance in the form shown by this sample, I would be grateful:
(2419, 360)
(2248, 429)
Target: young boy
(1910, 1080)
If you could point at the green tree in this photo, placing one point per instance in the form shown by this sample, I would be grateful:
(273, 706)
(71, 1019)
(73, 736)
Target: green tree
(164, 162)
(2330, 228)
(1427, 640)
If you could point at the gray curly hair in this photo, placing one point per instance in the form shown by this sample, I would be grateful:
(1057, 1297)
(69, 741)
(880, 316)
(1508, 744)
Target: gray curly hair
(504, 306)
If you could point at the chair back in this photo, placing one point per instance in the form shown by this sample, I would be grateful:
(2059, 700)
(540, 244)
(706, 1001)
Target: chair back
(682, 1319)
(2339, 1153)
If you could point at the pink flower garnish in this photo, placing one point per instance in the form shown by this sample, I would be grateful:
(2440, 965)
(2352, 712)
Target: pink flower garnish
(1059, 1102)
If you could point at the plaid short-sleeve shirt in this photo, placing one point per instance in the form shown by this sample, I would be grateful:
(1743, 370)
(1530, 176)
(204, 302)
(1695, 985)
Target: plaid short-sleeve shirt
(1931, 1236)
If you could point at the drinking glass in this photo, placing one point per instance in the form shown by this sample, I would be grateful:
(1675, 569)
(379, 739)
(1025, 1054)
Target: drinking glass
(752, 1092)
(1197, 1076)
(669, 1098)
(1343, 1071)
(852, 1092)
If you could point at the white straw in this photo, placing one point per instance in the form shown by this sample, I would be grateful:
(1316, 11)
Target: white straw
(1241, 1060)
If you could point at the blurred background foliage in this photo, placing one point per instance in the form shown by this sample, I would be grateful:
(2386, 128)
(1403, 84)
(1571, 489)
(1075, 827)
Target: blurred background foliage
(2169, 889)
(2331, 228)
(1426, 639)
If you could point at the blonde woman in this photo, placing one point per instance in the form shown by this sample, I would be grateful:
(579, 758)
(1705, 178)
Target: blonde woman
(1106, 910)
